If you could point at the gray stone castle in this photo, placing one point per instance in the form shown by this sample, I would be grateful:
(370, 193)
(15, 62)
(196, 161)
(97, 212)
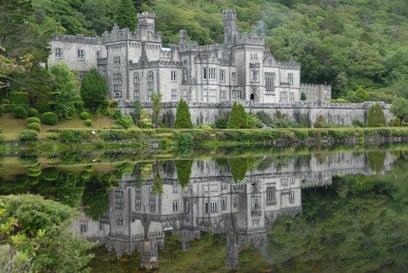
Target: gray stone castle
(137, 65)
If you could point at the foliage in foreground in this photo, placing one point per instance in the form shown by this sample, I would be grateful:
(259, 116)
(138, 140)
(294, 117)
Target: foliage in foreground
(37, 228)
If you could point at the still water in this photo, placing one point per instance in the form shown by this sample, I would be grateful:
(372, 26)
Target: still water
(282, 211)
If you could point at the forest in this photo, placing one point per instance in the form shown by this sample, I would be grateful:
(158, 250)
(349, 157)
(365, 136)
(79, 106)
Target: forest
(357, 46)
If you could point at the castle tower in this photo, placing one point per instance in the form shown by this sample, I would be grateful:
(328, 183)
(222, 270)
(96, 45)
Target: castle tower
(230, 19)
(146, 24)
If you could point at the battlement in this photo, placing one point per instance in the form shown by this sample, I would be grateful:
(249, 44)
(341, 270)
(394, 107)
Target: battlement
(290, 65)
(229, 14)
(145, 14)
(118, 34)
(250, 39)
(79, 39)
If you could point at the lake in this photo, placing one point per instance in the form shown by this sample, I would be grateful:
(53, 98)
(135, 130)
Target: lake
(252, 210)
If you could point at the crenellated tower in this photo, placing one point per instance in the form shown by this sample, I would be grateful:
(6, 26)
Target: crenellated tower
(230, 27)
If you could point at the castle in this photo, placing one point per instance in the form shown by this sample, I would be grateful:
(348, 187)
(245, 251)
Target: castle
(137, 65)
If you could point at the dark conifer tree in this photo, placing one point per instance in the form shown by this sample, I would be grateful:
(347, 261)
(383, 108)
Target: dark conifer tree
(183, 117)
(126, 15)
(238, 118)
(94, 90)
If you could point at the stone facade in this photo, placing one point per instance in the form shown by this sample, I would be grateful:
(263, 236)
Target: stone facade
(137, 65)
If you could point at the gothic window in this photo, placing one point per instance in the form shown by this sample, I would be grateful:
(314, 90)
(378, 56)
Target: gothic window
(119, 220)
(81, 54)
(138, 205)
(254, 75)
(149, 94)
(175, 206)
(150, 76)
(205, 73)
(117, 79)
(292, 197)
(58, 53)
(83, 226)
(212, 73)
(222, 75)
(137, 94)
(290, 78)
(173, 76)
(214, 207)
(233, 76)
(117, 92)
(174, 94)
(116, 61)
(223, 203)
(269, 83)
(185, 74)
(136, 77)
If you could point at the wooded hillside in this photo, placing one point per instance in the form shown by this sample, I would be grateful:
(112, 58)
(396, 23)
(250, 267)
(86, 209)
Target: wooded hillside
(359, 47)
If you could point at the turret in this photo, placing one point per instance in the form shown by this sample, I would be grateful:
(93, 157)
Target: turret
(230, 18)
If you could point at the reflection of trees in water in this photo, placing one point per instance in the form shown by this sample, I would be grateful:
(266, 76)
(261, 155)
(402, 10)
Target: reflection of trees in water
(238, 167)
(356, 224)
(376, 160)
(95, 199)
(183, 168)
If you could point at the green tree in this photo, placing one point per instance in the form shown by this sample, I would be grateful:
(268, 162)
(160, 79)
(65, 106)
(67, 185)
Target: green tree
(94, 90)
(38, 228)
(238, 117)
(126, 15)
(66, 89)
(183, 117)
(183, 168)
(136, 112)
(400, 108)
(145, 120)
(156, 106)
(376, 117)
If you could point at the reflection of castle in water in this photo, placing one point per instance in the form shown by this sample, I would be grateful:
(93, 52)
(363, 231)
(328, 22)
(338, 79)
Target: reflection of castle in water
(213, 202)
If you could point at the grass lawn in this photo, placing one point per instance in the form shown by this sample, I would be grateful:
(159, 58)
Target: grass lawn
(10, 126)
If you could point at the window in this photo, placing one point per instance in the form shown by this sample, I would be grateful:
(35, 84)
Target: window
(173, 76)
(205, 95)
(185, 74)
(81, 54)
(58, 53)
(136, 77)
(223, 203)
(116, 61)
(291, 97)
(270, 196)
(176, 187)
(152, 206)
(150, 76)
(284, 181)
(212, 73)
(269, 83)
(117, 92)
(175, 206)
(119, 220)
(137, 94)
(205, 73)
(138, 205)
(223, 95)
(149, 94)
(117, 79)
(254, 75)
(284, 96)
(213, 206)
(256, 202)
(174, 94)
(222, 75)
(290, 78)
(292, 197)
(233, 76)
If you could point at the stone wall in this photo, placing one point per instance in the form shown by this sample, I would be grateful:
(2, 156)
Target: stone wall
(341, 114)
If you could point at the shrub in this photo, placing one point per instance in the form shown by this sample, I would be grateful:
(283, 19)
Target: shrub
(238, 117)
(116, 114)
(376, 116)
(221, 123)
(33, 120)
(32, 112)
(34, 126)
(357, 123)
(88, 122)
(49, 118)
(183, 116)
(19, 97)
(320, 122)
(84, 115)
(28, 135)
(395, 122)
(20, 111)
